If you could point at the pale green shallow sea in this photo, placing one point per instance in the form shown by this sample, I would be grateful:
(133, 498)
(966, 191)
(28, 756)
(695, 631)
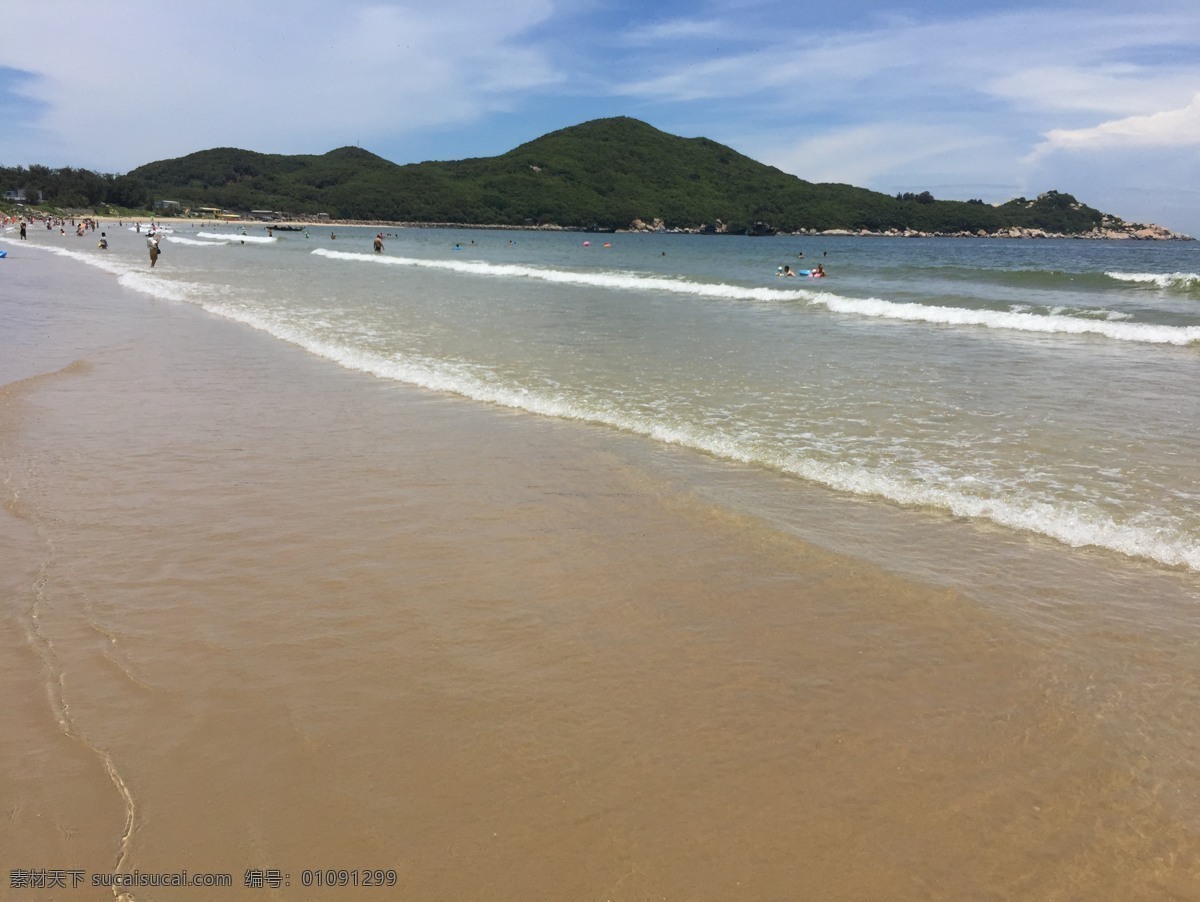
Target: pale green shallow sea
(1050, 387)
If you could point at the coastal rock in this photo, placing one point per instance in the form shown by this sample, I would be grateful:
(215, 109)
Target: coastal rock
(1109, 230)
(1112, 230)
(639, 225)
(1153, 233)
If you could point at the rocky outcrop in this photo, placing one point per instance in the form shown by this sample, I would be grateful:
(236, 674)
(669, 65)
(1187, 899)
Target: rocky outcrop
(639, 225)
(1135, 233)
(1108, 232)
(1110, 229)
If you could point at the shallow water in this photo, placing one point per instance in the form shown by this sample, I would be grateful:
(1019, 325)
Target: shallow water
(1045, 386)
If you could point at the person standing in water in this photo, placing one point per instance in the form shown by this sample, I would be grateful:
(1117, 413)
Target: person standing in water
(152, 244)
(379, 243)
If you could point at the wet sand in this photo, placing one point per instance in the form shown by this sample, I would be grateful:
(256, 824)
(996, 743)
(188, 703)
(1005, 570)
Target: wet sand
(263, 613)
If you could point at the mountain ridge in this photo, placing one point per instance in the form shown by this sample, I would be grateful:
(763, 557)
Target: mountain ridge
(609, 173)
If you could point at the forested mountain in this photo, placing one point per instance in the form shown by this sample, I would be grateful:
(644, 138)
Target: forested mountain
(605, 173)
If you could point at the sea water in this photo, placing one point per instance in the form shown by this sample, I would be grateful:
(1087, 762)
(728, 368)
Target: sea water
(1049, 387)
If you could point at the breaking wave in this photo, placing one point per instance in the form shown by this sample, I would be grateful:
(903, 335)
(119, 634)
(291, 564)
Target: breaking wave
(1086, 323)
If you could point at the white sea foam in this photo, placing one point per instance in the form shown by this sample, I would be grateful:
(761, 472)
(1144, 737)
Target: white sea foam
(1076, 525)
(129, 276)
(175, 239)
(105, 262)
(163, 289)
(232, 237)
(1022, 322)
(1161, 280)
(611, 280)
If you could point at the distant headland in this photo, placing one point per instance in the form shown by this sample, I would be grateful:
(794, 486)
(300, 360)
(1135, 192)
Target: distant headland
(616, 174)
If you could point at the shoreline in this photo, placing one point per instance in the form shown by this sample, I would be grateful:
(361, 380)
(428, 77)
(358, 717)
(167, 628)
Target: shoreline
(1130, 233)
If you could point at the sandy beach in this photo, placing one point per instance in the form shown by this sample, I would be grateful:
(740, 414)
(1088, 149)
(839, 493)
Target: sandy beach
(263, 614)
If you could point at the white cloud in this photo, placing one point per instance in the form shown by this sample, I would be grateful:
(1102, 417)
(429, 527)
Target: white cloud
(1108, 89)
(891, 153)
(817, 66)
(297, 79)
(674, 30)
(1164, 129)
(1029, 60)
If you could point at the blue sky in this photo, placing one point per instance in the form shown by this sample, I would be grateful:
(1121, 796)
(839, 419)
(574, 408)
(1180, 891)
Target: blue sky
(992, 101)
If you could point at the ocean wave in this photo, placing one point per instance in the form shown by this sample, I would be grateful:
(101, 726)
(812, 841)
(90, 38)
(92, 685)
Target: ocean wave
(135, 278)
(1050, 323)
(1171, 280)
(174, 239)
(163, 289)
(1076, 525)
(597, 279)
(1105, 324)
(105, 262)
(1016, 279)
(226, 236)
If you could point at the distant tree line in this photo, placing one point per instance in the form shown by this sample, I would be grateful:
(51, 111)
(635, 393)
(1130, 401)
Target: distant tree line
(76, 188)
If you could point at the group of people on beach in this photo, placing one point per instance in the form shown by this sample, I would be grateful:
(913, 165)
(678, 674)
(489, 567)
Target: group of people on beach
(154, 246)
(81, 226)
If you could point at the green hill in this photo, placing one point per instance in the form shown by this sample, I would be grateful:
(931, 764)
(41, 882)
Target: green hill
(605, 173)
